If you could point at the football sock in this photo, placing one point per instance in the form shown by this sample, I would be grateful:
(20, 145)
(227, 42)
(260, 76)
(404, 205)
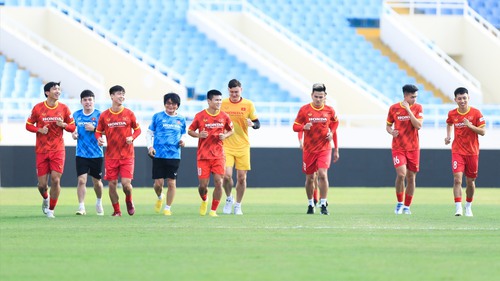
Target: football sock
(167, 207)
(458, 199)
(408, 200)
(311, 202)
(322, 201)
(468, 199)
(230, 198)
(458, 204)
(45, 195)
(81, 206)
(468, 204)
(52, 204)
(128, 198)
(116, 207)
(237, 205)
(99, 201)
(204, 197)
(400, 196)
(215, 204)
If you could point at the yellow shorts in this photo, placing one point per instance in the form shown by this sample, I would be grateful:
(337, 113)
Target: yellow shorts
(240, 158)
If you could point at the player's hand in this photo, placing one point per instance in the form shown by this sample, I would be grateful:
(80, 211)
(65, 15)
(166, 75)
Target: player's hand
(329, 136)
(336, 156)
(405, 104)
(129, 140)
(182, 143)
(44, 130)
(100, 141)
(89, 127)
(395, 133)
(152, 152)
(222, 136)
(203, 134)
(447, 140)
(74, 135)
(250, 123)
(467, 122)
(308, 126)
(60, 123)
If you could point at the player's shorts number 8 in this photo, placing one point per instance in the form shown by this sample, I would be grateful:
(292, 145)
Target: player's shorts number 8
(455, 164)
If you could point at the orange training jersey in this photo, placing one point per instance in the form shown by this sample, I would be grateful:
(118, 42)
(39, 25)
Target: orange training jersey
(117, 126)
(465, 142)
(238, 112)
(407, 140)
(43, 115)
(322, 119)
(211, 147)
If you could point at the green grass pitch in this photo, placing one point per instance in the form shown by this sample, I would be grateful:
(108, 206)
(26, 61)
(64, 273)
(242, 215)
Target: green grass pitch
(362, 239)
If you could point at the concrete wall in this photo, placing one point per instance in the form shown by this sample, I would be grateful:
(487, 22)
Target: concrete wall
(271, 167)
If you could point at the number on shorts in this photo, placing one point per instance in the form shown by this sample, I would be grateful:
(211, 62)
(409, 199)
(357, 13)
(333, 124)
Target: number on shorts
(455, 164)
(396, 160)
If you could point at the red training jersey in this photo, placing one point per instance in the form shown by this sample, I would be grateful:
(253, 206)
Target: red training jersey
(43, 115)
(466, 141)
(407, 140)
(211, 147)
(117, 126)
(324, 120)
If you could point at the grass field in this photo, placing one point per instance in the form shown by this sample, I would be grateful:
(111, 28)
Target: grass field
(362, 239)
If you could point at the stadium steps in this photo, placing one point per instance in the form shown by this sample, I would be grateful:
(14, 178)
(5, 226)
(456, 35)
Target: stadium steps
(373, 35)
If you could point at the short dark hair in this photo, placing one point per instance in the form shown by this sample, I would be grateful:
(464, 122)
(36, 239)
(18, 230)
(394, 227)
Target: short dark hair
(212, 93)
(49, 86)
(116, 88)
(319, 87)
(460, 91)
(86, 94)
(174, 97)
(233, 83)
(409, 88)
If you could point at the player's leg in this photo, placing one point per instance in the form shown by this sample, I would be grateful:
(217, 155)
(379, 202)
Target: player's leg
(159, 173)
(98, 187)
(316, 189)
(158, 187)
(171, 189)
(241, 186)
(81, 190)
(323, 189)
(127, 189)
(471, 168)
(228, 186)
(458, 167)
(203, 192)
(409, 191)
(217, 194)
(43, 171)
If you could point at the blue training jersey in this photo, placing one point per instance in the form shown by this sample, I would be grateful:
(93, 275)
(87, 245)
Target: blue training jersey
(86, 145)
(168, 131)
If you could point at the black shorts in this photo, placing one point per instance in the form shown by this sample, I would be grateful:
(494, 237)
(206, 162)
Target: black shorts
(91, 166)
(165, 168)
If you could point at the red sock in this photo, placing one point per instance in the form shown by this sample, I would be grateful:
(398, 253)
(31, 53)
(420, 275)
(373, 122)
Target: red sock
(316, 194)
(116, 207)
(408, 199)
(204, 197)
(45, 195)
(215, 204)
(458, 199)
(399, 196)
(469, 199)
(128, 198)
(52, 204)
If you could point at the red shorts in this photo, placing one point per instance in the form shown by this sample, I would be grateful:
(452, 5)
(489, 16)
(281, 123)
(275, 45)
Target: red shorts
(409, 158)
(207, 166)
(465, 163)
(47, 162)
(118, 167)
(311, 162)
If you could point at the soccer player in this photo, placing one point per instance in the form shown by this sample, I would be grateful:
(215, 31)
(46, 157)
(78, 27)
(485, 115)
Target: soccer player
(120, 127)
(403, 122)
(48, 119)
(211, 126)
(237, 148)
(89, 154)
(319, 124)
(164, 144)
(468, 123)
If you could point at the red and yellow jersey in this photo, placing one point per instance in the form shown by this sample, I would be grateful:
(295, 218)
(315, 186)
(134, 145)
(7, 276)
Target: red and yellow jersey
(323, 121)
(466, 141)
(211, 147)
(407, 140)
(238, 112)
(117, 126)
(43, 115)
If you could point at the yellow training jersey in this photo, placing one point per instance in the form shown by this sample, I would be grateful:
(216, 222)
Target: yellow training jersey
(238, 112)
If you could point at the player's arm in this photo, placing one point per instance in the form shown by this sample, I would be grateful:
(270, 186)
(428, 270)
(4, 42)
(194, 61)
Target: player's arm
(481, 130)
(393, 132)
(415, 122)
(149, 142)
(447, 140)
(254, 123)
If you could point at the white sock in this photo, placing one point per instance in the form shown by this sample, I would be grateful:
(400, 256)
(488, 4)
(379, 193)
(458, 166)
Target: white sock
(167, 207)
(230, 198)
(99, 201)
(322, 201)
(237, 205)
(81, 206)
(458, 204)
(160, 196)
(311, 202)
(468, 204)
